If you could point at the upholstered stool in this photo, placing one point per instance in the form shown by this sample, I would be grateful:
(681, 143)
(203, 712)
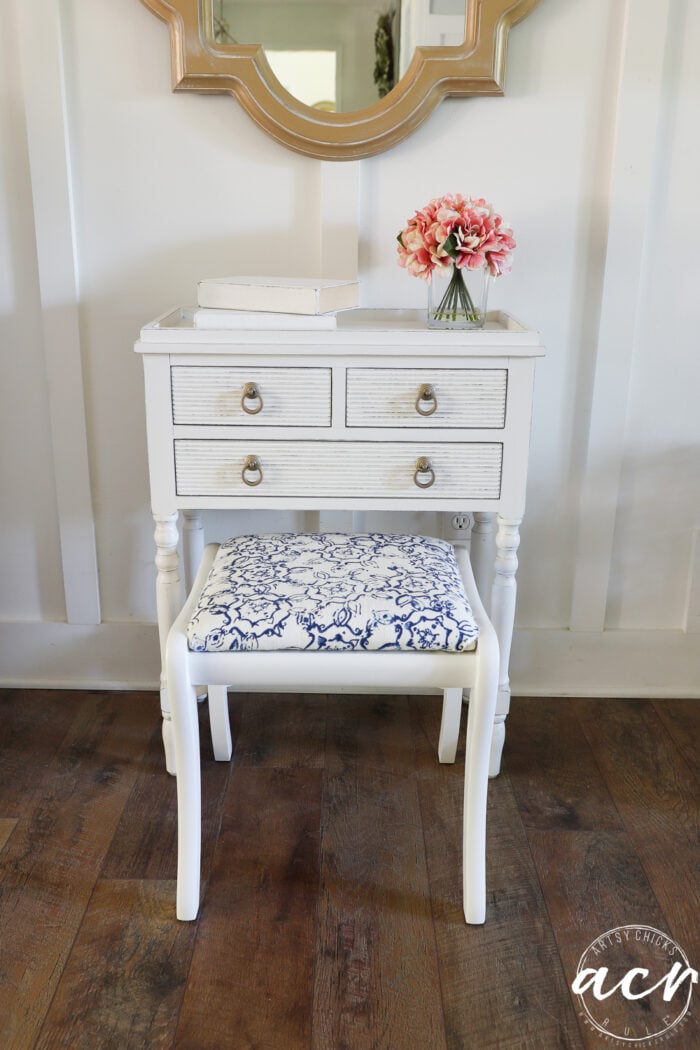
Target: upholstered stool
(334, 613)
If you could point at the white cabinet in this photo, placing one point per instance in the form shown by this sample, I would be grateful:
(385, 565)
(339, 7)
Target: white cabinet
(380, 413)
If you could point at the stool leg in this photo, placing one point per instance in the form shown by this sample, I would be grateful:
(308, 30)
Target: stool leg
(189, 807)
(219, 723)
(482, 704)
(449, 726)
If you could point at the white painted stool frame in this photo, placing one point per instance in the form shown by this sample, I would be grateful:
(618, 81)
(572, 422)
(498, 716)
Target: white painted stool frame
(315, 671)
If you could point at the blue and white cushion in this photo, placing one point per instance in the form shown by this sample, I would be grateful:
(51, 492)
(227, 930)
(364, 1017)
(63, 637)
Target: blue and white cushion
(332, 591)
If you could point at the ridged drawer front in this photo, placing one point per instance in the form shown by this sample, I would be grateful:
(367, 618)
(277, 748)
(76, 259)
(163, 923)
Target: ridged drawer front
(466, 397)
(338, 468)
(212, 395)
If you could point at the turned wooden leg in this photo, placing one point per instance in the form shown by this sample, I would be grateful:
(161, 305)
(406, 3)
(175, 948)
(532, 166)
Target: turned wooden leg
(192, 545)
(169, 600)
(461, 540)
(481, 555)
(192, 550)
(502, 617)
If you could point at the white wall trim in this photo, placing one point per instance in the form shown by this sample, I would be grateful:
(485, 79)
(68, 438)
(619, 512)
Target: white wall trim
(691, 618)
(339, 219)
(41, 655)
(633, 172)
(49, 655)
(41, 60)
(605, 663)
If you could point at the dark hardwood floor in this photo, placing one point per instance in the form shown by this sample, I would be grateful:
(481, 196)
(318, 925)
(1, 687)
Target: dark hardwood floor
(331, 870)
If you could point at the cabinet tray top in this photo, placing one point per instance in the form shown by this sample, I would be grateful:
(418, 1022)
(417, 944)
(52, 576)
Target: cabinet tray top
(394, 330)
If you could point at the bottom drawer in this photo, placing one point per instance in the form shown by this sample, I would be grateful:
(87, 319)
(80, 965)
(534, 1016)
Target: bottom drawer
(464, 470)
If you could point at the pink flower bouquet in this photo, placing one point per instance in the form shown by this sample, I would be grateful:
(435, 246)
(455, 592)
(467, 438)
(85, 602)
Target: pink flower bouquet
(453, 234)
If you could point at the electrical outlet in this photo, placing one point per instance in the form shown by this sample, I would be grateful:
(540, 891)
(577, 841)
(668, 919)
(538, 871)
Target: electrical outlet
(460, 522)
(456, 527)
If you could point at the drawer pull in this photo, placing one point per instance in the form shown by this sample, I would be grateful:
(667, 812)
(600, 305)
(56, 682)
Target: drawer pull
(251, 393)
(426, 393)
(423, 466)
(252, 466)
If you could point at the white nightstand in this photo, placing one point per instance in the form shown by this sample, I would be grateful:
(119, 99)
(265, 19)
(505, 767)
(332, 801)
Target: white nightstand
(379, 414)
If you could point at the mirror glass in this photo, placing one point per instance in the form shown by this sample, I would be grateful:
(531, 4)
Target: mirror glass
(339, 55)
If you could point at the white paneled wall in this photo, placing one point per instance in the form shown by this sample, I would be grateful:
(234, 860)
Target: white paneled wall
(117, 196)
(31, 582)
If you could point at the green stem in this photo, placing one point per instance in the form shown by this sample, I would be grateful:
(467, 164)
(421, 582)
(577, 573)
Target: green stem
(456, 302)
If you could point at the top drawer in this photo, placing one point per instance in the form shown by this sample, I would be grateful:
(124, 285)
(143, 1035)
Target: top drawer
(244, 396)
(427, 397)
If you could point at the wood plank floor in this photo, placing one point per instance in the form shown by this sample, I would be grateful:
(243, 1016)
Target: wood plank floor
(331, 871)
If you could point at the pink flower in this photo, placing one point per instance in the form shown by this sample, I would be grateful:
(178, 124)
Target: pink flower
(459, 230)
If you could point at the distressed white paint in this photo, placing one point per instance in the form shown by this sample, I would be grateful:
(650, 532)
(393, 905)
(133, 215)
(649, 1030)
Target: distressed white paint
(207, 465)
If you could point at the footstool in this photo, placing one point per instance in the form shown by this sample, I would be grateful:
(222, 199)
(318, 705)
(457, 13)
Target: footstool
(331, 612)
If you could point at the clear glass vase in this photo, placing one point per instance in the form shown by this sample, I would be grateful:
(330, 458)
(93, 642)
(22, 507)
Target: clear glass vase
(458, 298)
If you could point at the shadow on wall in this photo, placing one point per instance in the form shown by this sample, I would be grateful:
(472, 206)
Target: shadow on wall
(658, 511)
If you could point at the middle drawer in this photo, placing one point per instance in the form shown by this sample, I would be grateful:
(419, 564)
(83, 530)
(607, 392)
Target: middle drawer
(215, 395)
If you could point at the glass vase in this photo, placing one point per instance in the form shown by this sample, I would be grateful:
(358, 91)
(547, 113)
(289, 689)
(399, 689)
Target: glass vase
(457, 298)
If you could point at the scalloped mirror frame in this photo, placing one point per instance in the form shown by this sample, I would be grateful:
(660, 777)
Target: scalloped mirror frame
(476, 67)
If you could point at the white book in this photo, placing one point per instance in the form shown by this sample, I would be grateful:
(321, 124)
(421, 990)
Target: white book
(213, 320)
(280, 295)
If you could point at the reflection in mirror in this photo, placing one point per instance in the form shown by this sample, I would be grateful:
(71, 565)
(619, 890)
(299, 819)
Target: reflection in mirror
(341, 55)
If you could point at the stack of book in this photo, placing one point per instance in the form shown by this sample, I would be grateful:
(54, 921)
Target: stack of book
(277, 303)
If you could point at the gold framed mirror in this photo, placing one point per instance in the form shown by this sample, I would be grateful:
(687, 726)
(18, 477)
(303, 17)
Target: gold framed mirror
(418, 51)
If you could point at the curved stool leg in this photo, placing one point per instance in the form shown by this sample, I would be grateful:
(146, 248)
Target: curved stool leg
(482, 704)
(219, 723)
(449, 726)
(498, 739)
(189, 807)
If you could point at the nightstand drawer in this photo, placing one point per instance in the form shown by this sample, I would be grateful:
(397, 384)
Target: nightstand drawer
(354, 469)
(427, 397)
(250, 396)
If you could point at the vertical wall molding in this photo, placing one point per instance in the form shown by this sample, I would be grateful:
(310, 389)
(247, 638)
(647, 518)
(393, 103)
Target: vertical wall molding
(691, 619)
(632, 176)
(339, 218)
(339, 226)
(41, 60)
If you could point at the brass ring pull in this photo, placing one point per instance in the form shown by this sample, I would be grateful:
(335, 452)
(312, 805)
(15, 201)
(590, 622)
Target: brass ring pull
(426, 393)
(251, 393)
(252, 466)
(423, 466)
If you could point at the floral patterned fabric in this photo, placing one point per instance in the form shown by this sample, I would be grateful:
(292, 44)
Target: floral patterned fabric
(333, 591)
